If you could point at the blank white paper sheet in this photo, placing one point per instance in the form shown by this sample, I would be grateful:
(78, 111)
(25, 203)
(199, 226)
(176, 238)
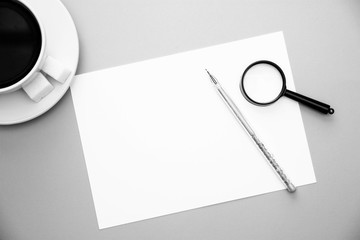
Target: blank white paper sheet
(157, 138)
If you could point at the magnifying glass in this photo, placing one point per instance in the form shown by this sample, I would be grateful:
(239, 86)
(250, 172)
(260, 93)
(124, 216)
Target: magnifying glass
(263, 83)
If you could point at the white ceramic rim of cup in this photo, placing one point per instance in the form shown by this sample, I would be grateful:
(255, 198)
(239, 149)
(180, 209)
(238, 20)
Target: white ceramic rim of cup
(37, 66)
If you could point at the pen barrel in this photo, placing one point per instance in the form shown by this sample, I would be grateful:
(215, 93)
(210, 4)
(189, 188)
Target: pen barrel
(235, 110)
(289, 186)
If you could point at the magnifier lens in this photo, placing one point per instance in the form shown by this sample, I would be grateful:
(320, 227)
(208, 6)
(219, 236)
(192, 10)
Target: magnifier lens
(263, 83)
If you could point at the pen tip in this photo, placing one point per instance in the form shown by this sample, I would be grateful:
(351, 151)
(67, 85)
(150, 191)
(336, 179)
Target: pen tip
(211, 77)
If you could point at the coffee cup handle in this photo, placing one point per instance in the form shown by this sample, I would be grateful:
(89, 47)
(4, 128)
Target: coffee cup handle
(39, 87)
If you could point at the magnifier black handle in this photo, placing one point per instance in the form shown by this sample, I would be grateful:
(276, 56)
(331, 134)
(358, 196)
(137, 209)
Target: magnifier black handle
(321, 107)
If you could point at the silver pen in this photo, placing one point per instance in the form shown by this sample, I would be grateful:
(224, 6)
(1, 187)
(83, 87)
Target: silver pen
(236, 112)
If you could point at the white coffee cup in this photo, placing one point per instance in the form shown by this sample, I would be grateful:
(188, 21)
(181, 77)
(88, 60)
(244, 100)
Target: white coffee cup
(35, 83)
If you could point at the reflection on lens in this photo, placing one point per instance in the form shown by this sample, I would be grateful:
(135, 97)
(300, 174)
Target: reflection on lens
(262, 83)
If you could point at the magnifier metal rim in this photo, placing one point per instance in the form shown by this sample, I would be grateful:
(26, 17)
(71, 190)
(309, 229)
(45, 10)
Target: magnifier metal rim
(248, 98)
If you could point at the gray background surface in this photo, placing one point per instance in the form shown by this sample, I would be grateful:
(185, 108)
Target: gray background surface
(44, 187)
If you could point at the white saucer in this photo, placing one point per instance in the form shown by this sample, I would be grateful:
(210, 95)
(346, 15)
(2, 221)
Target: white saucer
(63, 44)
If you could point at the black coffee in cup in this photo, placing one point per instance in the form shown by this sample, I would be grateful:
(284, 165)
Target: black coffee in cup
(20, 42)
